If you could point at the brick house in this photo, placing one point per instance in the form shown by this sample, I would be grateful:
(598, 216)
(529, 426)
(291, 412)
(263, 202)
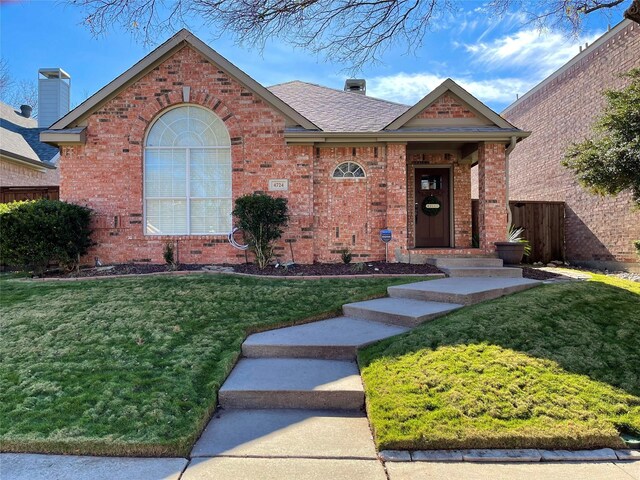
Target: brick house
(599, 231)
(161, 152)
(28, 167)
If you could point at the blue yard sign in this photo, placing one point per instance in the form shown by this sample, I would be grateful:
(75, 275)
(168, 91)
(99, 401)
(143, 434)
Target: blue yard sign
(385, 236)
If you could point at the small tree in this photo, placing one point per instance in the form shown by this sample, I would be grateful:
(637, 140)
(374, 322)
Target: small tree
(36, 233)
(610, 162)
(261, 218)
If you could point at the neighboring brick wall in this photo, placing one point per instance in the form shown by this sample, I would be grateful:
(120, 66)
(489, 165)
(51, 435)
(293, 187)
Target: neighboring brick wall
(14, 174)
(599, 230)
(446, 107)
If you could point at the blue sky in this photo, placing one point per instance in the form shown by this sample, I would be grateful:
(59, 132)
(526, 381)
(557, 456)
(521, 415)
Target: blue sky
(494, 58)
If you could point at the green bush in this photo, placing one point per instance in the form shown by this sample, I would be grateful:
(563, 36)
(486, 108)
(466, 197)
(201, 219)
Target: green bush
(36, 233)
(346, 256)
(636, 244)
(169, 256)
(262, 218)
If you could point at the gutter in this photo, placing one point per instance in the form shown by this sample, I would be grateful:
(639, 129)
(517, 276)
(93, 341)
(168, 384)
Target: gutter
(29, 161)
(507, 152)
(399, 136)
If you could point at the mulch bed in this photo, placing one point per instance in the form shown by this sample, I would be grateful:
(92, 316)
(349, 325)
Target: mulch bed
(537, 274)
(120, 269)
(316, 269)
(367, 268)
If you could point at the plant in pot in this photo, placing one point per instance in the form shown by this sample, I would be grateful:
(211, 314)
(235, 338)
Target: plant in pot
(512, 251)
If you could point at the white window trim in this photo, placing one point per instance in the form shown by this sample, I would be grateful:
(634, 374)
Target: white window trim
(186, 198)
(348, 178)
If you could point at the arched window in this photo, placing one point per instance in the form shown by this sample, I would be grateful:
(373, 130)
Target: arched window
(348, 170)
(187, 174)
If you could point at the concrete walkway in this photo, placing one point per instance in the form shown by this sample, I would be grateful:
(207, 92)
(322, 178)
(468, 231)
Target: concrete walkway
(293, 407)
(313, 425)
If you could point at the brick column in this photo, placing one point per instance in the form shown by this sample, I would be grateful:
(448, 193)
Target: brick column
(492, 211)
(397, 198)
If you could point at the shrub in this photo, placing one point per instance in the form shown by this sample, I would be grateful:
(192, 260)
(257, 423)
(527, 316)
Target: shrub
(346, 256)
(36, 233)
(261, 218)
(636, 244)
(169, 255)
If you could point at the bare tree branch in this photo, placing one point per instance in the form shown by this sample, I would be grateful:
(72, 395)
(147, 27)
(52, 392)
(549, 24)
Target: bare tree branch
(352, 32)
(6, 80)
(16, 93)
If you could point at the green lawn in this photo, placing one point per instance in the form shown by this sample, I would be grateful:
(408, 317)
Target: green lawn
(557, 366)
(132, 366)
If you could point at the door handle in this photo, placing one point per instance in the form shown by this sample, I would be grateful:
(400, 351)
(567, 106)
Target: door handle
(416, 212)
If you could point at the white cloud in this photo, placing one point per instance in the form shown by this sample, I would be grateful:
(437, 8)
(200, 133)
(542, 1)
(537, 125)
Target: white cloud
(506, 66)
(531, 48)
(409, 88)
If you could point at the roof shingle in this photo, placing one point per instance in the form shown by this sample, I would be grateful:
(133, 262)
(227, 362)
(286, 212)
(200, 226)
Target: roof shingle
(338, 111)
(21, 136)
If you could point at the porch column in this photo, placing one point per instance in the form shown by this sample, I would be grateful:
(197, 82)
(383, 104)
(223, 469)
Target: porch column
(492, 185)
(397, 198)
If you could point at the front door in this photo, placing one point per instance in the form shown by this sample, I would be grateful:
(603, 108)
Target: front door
(432, 207)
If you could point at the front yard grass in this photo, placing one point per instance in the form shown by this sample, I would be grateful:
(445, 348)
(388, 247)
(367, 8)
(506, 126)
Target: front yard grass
(133, 366)
(554, 367)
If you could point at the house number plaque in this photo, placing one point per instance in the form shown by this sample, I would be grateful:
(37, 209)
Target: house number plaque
(278, 185)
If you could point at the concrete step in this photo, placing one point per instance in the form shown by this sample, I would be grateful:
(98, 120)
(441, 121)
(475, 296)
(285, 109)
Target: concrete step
(293, 383)
(465, 262)
(463, 290)
(482, 272)
(287, 433)
(398, 311)
(336, 339)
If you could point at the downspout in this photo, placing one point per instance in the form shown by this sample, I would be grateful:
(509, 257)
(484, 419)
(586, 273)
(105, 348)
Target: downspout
(509, 149)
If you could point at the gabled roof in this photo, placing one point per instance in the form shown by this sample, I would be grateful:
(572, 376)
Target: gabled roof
(19, 139)
(179, 40)
(336, 110)
(449, 86)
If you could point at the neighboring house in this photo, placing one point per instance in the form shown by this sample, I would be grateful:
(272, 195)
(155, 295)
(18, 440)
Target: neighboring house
(559, 111)
(28, 167)
(161, 152)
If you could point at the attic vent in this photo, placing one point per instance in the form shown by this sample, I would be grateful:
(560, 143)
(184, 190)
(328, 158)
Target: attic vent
(356, 85)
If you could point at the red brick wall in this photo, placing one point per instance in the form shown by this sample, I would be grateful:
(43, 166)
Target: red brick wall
(326, 214)
(446, 107)
(396, 185)
(106, 173)
(492, 205)
(349, 212)
(599, 230)
(13, 174)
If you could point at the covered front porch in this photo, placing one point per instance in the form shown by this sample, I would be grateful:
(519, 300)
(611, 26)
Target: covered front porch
(432, 212)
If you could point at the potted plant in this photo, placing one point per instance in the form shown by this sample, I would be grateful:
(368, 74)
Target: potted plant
(512, 251)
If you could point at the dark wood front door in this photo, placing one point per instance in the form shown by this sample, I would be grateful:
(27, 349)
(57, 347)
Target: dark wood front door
(432, 209)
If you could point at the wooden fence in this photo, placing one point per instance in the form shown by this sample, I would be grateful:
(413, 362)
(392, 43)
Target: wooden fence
(543, 224)
(12, 194)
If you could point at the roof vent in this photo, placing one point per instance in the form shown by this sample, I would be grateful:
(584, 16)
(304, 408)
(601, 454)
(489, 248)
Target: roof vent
(25, 111)
(356, 85)
(54, 95)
